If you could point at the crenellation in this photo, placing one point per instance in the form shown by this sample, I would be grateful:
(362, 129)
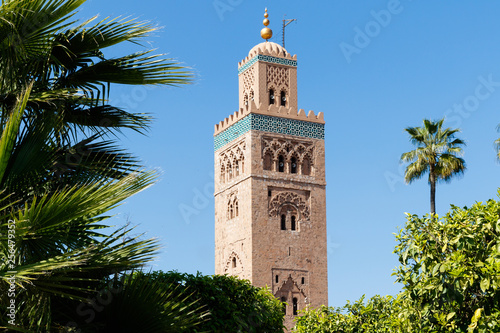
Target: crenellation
(272, 110)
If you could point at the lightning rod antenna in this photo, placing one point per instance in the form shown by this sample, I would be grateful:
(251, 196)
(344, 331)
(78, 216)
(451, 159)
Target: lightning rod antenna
(285, 23)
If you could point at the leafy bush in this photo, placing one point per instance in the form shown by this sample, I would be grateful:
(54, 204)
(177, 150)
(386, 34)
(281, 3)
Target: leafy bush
(234, 305)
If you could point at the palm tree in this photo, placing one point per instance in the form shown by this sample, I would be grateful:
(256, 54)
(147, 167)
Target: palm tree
(60, 174)
(71, 77)
(436, 153)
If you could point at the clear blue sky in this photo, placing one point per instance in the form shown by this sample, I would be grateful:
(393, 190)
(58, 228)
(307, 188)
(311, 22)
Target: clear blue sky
(422, 60)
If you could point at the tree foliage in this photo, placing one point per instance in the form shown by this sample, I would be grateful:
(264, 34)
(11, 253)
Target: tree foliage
(377, 314)
(450, 268)
(450, 272)
(234, 305)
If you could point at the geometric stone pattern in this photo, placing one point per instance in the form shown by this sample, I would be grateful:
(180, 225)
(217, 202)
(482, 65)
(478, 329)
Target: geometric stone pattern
(249, 79)
(269, 124)
(267, 58)
(277, 77)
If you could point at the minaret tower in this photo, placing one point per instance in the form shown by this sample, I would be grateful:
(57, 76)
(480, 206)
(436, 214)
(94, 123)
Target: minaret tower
(270, 213)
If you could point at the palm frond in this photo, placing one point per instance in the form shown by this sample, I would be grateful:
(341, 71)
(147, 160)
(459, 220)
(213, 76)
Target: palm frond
(134, 69)
(9, 133)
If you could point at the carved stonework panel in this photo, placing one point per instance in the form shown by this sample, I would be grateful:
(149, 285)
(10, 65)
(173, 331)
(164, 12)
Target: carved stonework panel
(278, 77)
(289, 198)
(232, 162)
(288, 148)
(249, 79)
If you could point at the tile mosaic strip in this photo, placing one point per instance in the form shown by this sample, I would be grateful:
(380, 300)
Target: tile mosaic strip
(239, 128)
(266, 58)
(269, 124)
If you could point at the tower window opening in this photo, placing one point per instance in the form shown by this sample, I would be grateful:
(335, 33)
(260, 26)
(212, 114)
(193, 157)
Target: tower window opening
(283, 222)
(277, 278)
(293, 165)
(269, 193)
(293, 223)
(306, 167)
(268, 162)
(223, 174)
(271, 97)
(236, 208)
(234, 262)
(237, 169)
(281, 164)
(283, 300)
(289, 251)
(303, 280)
(283, 98)
(295, 306)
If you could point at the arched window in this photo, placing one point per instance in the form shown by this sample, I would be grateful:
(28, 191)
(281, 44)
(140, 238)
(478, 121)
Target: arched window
(246, 101)
(283, 222)
(236, 207)
(281, 163)
(234, 262)
(293, 165)
(283, 300)
(283, 98)
(229, 171)
(293, 222)
(271, 96)
(230, 211)
(236, 169)
(306, 166)
(268, 162)
(295, 306)
(223, 174)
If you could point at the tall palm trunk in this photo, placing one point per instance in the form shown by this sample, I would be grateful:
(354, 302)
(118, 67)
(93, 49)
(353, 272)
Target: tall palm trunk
(432, 181)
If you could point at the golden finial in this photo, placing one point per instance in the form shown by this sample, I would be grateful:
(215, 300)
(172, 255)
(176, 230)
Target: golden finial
(266, 33)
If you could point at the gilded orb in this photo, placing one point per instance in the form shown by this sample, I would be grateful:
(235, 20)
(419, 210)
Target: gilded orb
(265, 22)
(266, 33)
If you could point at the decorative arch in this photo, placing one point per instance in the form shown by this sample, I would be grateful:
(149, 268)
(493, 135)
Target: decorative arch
(233, 258)
(232, 207)
(268, 160)
(290, 292)
(299, 153)
(289, 198)
(232, 162)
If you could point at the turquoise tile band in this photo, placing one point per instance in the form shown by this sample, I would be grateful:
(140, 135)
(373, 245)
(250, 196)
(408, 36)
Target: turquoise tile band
(266, 58)
(269, 124)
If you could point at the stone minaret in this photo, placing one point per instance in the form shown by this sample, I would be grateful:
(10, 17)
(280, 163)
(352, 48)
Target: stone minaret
(270, 213)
